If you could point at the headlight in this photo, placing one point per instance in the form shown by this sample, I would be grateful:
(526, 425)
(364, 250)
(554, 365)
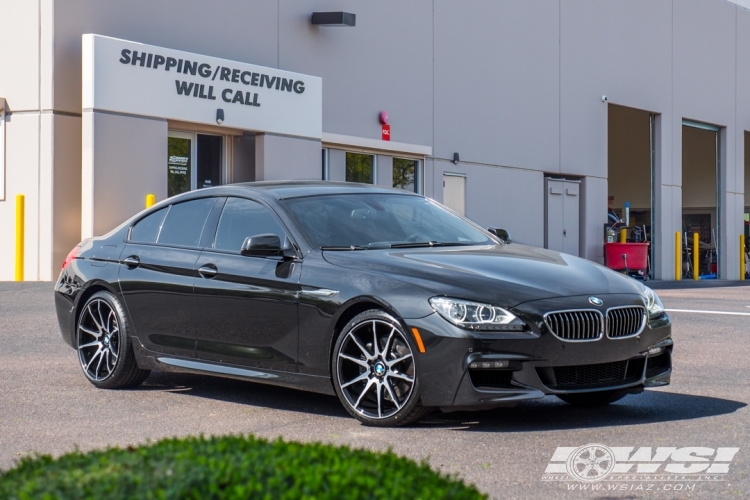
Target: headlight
(476, 316)
(653, 304)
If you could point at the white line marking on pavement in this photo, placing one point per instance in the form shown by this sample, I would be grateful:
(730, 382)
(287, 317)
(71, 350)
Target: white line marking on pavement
(707, 312)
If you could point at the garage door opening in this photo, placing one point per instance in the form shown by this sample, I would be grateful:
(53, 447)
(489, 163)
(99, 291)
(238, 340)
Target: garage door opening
(701, 204)
(630, 164)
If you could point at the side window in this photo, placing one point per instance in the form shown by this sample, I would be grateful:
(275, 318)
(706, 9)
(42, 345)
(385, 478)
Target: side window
(184, 222)
(147, 229)
(242, 218)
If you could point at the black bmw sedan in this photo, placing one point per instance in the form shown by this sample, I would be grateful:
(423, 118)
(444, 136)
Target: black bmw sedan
(386, 299)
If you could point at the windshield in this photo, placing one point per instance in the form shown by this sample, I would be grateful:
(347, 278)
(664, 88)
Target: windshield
(366, 221)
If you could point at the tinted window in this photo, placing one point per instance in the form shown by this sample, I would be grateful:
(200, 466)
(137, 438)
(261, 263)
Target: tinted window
(147, 229)
(184, 222)
(242, 218)
(379, 221)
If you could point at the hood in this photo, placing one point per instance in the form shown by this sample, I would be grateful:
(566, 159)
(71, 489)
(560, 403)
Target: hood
(504, 275)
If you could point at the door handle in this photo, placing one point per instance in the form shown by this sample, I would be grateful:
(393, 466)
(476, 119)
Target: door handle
(208, 271)
(132, 262)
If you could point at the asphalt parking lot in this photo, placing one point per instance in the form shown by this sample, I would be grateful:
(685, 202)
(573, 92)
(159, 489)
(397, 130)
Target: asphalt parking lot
(47, 406)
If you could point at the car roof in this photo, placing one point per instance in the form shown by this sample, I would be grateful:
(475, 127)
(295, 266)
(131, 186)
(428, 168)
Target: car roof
(294, 189)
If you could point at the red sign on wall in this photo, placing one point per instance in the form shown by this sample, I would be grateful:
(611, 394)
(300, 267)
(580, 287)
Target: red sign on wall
(386, 132)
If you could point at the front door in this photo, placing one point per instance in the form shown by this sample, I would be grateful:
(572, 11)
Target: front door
(247, 306)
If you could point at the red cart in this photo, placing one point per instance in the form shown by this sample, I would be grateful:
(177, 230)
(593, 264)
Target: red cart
(628, 257)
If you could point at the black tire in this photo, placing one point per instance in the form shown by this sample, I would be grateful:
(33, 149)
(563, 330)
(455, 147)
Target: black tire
(381, 373)
(600, 398)
(104, 344)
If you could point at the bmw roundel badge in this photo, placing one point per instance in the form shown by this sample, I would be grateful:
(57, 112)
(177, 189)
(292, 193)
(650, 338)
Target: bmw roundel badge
(595, 301)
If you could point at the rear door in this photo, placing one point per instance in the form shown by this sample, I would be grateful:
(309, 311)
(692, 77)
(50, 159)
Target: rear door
(247, 306)
(158, 273)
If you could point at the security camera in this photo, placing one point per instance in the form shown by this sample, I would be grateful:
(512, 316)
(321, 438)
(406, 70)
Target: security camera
(604, 98)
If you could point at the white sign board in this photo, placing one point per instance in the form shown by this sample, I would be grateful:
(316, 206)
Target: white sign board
(138, 79)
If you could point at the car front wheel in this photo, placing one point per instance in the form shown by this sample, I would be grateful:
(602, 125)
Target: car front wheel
(374, 371)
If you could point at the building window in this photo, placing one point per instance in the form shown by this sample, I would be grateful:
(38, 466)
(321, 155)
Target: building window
(406, 174)
(360, 168)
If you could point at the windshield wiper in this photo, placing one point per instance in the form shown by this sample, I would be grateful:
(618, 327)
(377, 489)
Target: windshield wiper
(422, 244)
(351, 247)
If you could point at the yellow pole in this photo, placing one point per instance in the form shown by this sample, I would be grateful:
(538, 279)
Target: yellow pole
(19, 236)
(623, 235)
(742, 257)
(677, 256)
(696, 250)
(150, 200)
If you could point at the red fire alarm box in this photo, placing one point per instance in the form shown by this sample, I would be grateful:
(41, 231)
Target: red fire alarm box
(386, 132)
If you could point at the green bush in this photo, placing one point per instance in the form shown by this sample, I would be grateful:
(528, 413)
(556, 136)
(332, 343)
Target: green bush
(228, 467)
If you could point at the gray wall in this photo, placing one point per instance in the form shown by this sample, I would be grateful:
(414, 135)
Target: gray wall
(515, 87)
(130, 158)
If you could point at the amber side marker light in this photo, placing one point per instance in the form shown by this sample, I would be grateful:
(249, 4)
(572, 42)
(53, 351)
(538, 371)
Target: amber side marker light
(418, 338)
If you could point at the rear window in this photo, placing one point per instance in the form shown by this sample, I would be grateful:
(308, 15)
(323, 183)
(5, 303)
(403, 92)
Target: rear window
(147, 229)
(184, 223)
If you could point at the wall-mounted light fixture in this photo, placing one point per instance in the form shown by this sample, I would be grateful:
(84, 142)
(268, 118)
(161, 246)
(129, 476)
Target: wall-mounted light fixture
(219, 116)
(333, 19)
(455, 158)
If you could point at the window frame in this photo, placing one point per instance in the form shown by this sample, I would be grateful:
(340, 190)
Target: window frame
(156, 243)
(418, 174)
(210, 245)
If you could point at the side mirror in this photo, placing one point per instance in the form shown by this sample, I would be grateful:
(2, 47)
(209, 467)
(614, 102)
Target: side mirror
(261, 245)
(503, 234)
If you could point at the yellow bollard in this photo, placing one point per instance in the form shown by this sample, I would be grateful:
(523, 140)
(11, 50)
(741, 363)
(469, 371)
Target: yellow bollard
(19, 236)
(696, 250)
(742, 257)
(624, 235)
(677, 256)
(150, 200)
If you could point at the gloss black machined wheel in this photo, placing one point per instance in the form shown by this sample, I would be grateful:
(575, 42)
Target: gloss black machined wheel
(104, 345)
(375, 371)
(98, 340)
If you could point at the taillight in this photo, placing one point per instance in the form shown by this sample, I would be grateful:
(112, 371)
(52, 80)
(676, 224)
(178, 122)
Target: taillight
(71, 256)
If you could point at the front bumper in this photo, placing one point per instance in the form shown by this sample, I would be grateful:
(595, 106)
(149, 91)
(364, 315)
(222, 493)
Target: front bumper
(538, 364)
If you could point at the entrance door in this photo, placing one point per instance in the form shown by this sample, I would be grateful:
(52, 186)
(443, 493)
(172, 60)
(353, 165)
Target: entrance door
(562, 219)
(194, 161)
(454, 192)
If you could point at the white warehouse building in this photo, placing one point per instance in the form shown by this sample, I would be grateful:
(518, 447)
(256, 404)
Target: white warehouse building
(541, 116)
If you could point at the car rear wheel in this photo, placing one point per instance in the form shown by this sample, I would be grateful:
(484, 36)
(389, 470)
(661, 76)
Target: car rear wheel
(600, 398)
(104, 344)
(374, 371)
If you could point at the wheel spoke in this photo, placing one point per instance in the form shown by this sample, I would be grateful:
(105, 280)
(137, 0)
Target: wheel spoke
(354, 360)
(375, 348)
(388, 342)
(111, 324)
(101, 319)
(390, 393)
(360, 378)
(84, 346)
(98, 351)
(89, 331)
(361, 347)
(401, 376)
(397, 360)
(364, 391)
(99, 364)
(98, 325)
(111, 349)
(378, 387)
